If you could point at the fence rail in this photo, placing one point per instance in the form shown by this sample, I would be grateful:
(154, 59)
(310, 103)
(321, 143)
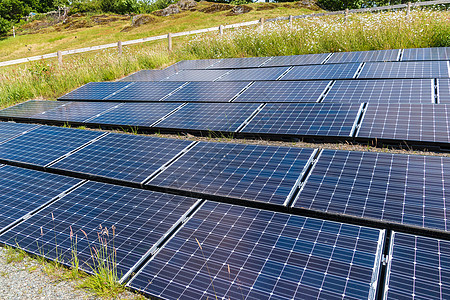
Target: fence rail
(220, 28)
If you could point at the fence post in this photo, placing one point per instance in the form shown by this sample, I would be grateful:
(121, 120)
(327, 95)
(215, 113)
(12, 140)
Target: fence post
(408, 11)
(221, 29)
(291, 19)
(119, 47)
(14, 31)
(169, 39)
(346, 15)
(262, 22)
(60, 60)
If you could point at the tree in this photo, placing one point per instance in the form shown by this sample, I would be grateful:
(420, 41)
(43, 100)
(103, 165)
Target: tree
(5, 26)
(13, 10)
(340, 4)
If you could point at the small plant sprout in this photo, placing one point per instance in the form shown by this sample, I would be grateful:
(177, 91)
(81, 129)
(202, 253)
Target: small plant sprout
(207, 268)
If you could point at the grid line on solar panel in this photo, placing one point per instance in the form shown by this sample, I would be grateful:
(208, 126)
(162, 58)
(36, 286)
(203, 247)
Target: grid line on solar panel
(45, 144)
(11, 130)
(146, 91)
(406, 122)
(141, 218)
(239, 63)
(382, 91)
(444, 90)
(440, 53)
(22, 191)
(196, 75)
(364, 56)
(29, 108)
(123, 157)
(272, 73)
(151, 75)
(296, 60)
(322, 72)
(418, 268)
(227, 251)
(405, 189)
(405, 69)
(247, 172)
(95, 91)
(207, 92)
(283, 91)
(226, 117)
(306, 119)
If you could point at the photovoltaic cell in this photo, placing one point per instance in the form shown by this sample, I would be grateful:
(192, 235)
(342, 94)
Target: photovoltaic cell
(405, 69)
(239, 63)
(406, 189)
(135, 114)
(407, 122)
(297, 60)
(140, 218)
(210, 116)
(94, 91)
(208, 92)
(254, 74)
(444, 91)
(248, 172)
(364, 56)
(196, 64)
(23, 190)
(29, 108)
(334, 71)
(124, 157)
(283, 91)
(418, 268)
(10, 130)
(45, 144)
(382, 91)
(305, 119)
(233, 252)
(441, 53)
(146, 91)
(151, 75)
(196, 75)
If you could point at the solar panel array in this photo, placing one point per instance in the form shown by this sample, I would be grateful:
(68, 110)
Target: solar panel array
(364, 56)
(208, 92)
(27, 109)
(323, 72)
(407, 69)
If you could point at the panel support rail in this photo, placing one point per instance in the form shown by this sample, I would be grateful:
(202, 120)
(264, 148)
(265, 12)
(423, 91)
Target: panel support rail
(168, 115)
(325, 91)
(103, 112)
(327, 59)
(284, 73)
(119, 90)
(242, 91)
(174, 91)
(435, 85)
(249, 119)
(384, 265)
(358, 120)
(358, 72)
(19, 134)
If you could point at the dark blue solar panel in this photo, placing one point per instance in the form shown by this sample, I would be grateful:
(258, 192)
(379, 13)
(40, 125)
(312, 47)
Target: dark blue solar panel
(196, 64)
(94, 91)
(254, 74)
(208, 92)
(29, 108)
(151, 75)
(444, 91)
(140, 219)
(232, 252)
(334, 71)
(241, 62)
(122, 156)
(283, 91)
(146, 91)
(11, 130)
(75, 111)
(407, 69)
(135, 114)
(196, 75)
(407, 122)
(418, 268)
(23, 190)
(305, 119)
(210, 116)
(45, 144)
(364, 56)
(382, 91)
(296, 60)
(406, 189)
(441, 53)
(248, 172)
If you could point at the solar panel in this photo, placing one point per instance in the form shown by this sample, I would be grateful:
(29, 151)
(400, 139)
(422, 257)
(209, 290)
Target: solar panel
(22, 191)
(75, 111)
(407, 122)
(239, 63)
(364, 56)
(418, 268)
(196, 64)
(27, 109)
(45, 144)
(248, 172)
(231, 252)
(405, 69)
(146, 91)
(151, 75)
(11, 130)
(141, 218)
(305, 119)
(94, 91)
(124, 157)
(444, 91)
(382, 91)
(208, 92)
(334, 71)
(297, 60)
(254, 74)
(406, 189)
(283, 91)
(441, 53)
(135, 114)
(196, 75)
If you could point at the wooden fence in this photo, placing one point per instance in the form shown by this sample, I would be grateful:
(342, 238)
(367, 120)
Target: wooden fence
(220, 28)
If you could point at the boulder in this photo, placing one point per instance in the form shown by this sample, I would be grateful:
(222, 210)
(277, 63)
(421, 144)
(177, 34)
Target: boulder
(172, 9)
(239, 10)
(186, 4)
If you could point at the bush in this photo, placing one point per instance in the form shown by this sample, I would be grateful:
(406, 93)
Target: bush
(340, 4)
(5, 26)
